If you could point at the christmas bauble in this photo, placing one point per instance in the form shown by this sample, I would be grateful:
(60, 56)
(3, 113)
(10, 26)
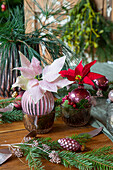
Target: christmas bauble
(110, 95)
(3, 7)
(42, 107)
(102, 83)
(78, 94)
(17, 104)
(38, 116)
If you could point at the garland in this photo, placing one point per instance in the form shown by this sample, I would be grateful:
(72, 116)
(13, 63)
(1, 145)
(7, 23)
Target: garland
(44, 148)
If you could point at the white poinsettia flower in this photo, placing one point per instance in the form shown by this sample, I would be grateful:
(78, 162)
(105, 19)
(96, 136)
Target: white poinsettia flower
(28, 73)
(29, 70)
(51, 80)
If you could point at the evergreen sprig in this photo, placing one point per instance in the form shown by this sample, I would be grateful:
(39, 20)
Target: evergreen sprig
(97, 159)
(11, 116)
(6, 102)
(82, 139)
(34, 159)
(101, 158)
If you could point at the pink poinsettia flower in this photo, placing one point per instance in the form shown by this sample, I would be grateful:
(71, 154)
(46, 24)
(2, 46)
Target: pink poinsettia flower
(51, 80)
(81, 74)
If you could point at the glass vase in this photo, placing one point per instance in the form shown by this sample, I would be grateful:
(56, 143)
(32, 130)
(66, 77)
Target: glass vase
(75, 117)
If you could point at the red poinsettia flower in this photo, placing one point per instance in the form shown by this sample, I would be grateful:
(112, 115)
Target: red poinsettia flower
(81, 74)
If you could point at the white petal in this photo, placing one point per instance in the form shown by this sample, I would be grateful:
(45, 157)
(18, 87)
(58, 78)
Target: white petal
(27, 72)
(21, 82)
(32, 83)
(48, 86)
(24, 60)
(35, 65)
(53, 69)
(61, 82)
(36, 93)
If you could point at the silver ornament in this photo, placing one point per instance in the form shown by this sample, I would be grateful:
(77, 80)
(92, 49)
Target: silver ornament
(110, 95)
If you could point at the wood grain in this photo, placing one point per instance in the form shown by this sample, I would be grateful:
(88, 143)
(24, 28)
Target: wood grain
(13, 133)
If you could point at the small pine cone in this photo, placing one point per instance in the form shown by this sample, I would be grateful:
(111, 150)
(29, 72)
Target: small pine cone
(71, 144)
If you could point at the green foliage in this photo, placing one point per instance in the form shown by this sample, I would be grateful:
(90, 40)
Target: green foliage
(11, 116)
(10, 4)
(37, 43)
(34, 160)
(82, 138)
(88, 31)
(81, 105)
(6, 102)
(13, 38)
(101, 158)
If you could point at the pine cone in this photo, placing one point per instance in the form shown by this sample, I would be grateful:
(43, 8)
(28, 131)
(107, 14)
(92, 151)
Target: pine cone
(71, 144)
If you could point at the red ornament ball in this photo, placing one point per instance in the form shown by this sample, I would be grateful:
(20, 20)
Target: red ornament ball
(102, 83)
(3, 7)
(17, 104)
(78, 94)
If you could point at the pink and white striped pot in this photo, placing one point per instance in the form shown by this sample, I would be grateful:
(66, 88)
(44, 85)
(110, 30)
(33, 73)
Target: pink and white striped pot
(39, 116)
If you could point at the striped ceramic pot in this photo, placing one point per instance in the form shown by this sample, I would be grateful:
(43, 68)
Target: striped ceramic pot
(39, 116)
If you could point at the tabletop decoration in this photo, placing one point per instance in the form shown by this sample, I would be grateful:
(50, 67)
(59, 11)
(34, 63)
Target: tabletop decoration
(8, 112)
(36, 149)
(110, 95)
(101, 84)
(79, 113)
(39, 84)
(18, 95)
(71, 144)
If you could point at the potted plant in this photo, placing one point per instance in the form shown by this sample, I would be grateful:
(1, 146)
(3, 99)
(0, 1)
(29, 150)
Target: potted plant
(37, 100)
(76, 105)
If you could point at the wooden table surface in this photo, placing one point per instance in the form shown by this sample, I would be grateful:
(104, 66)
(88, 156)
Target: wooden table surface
(14, 133)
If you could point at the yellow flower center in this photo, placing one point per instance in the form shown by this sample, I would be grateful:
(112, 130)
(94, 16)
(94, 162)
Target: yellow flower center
(78, 77)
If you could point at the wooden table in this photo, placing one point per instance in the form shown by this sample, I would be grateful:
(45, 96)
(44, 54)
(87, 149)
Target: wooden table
(14, 133)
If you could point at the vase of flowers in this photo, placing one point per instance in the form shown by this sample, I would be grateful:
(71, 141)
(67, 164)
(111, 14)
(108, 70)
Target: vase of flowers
(39, 84)
(76, 106)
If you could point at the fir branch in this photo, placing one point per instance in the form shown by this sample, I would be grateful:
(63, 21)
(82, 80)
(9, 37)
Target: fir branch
(34, 150)
(11, 116)
(81, 139)
(34, 160)
(70, 159)
(5, 102)
(48, 141)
